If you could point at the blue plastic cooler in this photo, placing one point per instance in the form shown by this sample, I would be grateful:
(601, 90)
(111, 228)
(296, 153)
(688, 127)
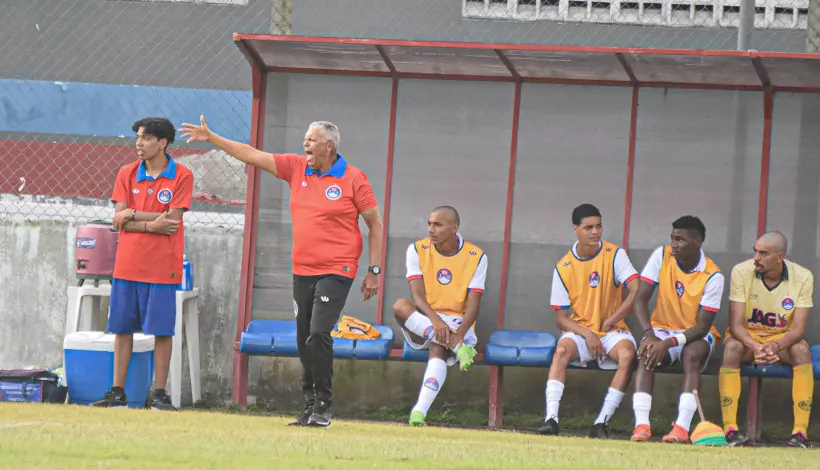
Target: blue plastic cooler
(89, 367)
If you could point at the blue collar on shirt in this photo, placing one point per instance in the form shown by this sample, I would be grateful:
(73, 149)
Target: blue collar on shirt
(170, 171)
(337, 170)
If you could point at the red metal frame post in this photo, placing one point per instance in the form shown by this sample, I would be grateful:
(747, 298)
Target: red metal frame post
(497, 372)
(630, 166)
(754, 404)
(388, 189)
(239, 392)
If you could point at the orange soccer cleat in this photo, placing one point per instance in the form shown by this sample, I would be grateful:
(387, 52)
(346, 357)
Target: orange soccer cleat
(641, 433)
(677, 435)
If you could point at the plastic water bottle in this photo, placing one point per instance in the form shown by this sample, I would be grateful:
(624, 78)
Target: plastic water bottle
(187, 275)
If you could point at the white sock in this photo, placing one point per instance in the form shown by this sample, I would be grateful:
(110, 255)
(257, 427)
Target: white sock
(686, 410)
(433, 381)
(554, 391)
(641, 404)
(611, 402)
(419, 324)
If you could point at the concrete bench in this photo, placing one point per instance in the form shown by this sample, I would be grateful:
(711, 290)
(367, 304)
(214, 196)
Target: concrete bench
(514, 348)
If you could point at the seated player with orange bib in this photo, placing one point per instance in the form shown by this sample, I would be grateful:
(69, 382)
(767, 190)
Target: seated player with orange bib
(769, 306)
(690, 287)
(589, 283)
(446, 276)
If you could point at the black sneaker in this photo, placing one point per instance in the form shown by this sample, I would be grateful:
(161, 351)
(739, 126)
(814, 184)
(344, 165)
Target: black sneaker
(161, 401)
(799, 440)
(550, 428)
(321, 415)
(112, 399)
(599, 431)
(302, 419)
(735, 438)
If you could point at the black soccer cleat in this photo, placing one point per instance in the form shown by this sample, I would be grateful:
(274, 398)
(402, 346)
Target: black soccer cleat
(161, 401)
(734, 438)
(112, 399)
(321, 415)
(799, 440)
(599, 431)
(550, 428)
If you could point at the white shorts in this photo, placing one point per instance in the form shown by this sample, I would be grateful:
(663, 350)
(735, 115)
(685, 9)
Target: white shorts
(453, 322)
(608, 341)
(674, 353)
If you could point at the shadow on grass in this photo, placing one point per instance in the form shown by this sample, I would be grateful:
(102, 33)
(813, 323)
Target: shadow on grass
(474, 415)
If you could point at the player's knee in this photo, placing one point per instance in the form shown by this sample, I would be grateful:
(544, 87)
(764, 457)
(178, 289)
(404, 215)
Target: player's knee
(800, 353)
(626, 357)
(403, 308)
(733, 350)
(562, 355)
(693, 359)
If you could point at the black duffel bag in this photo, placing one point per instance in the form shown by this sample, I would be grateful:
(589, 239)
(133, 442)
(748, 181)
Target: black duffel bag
(31, 386)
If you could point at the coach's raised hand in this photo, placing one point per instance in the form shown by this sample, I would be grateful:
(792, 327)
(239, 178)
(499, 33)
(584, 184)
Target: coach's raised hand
(192, 132)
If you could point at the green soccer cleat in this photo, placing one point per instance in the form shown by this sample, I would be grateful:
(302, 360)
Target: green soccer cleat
(465, 357)
(416, 419)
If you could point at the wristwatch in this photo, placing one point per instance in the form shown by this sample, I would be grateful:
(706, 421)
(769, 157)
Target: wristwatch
(375, 270)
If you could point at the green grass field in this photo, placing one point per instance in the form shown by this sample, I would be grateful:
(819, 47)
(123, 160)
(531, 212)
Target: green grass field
(34, 436)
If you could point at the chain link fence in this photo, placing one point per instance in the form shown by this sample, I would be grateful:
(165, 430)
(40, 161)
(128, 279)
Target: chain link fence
(75, 74)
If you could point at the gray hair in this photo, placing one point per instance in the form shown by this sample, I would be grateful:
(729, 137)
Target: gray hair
(331, 132)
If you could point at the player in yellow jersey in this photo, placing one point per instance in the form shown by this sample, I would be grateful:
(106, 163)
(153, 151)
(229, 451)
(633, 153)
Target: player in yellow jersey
(446, 276)
(588, 283)
(769, 304)
(690, 287)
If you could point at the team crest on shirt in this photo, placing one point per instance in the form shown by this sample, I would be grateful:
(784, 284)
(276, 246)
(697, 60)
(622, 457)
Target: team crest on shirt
(432, 384)
(679, 288)
(594, 279)
(333, 192)
(164, 196)
(444, 276)
(788, 304)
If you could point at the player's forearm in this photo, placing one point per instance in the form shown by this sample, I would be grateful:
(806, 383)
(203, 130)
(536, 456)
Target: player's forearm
(470, 316)
(740, 333)
(642, 315)
(137, 226)
(789, 339)
(146, 216)
(565, 323)
(424, 307)
(242, 152)
(701, 328)
(622, 312)
(374, 241)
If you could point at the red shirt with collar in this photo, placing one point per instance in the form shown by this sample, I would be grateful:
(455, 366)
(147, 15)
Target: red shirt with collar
(325, 212)
(151, 257)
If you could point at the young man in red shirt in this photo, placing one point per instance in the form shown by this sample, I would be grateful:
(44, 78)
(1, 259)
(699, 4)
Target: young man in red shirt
(150, 194)
(327, 195)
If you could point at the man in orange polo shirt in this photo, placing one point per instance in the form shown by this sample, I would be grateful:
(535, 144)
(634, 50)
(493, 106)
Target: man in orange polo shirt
(150, 194)
(327, 195)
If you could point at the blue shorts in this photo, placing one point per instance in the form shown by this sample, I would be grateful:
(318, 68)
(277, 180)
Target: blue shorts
(140, 306)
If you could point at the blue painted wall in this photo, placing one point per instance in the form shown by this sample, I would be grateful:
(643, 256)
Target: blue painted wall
(72, 108)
